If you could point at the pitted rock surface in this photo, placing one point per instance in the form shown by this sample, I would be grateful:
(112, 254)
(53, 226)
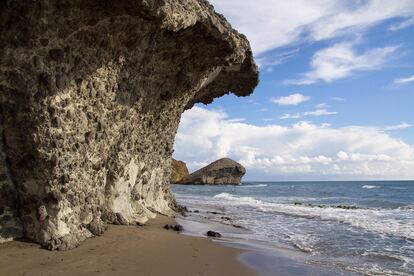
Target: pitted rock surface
(91, 95)
(221, 172)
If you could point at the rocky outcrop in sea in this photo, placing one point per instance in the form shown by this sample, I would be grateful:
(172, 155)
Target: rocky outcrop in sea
(91, 95)
(179, 171)
(221, 172)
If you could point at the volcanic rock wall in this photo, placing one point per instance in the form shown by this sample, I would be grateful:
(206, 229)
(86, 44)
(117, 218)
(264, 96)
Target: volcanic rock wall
(10, 225)
(91, 94)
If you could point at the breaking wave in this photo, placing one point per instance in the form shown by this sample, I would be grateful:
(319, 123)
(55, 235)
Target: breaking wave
(253, 186)
(369, 187)
(396, 222)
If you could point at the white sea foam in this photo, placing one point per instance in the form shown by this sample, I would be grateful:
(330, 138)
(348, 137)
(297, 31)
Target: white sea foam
(407, 207)
(253, 186)
(304, 242)
(396, 222)
(303, 247)
(375, 270)
(388, 255)
(369, 187)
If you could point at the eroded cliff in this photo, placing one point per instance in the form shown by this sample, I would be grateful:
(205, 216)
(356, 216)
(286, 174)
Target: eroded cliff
(91, 94)
(179, 170)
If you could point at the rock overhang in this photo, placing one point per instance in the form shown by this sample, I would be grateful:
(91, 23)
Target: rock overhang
(91, 97)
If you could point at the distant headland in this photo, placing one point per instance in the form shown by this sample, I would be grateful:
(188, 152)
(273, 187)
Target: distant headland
(224, 171)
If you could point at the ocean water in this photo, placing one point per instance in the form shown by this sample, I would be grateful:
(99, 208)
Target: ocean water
(360, 227)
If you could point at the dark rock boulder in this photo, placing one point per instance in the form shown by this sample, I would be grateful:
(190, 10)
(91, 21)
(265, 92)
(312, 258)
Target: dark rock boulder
(179, 171)
(213, 234)
(221, 172)
(91, 95)
(174, 227)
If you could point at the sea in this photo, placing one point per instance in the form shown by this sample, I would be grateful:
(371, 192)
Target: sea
(358, 228)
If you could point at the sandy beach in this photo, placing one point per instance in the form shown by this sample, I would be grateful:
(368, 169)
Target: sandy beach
(126, 250)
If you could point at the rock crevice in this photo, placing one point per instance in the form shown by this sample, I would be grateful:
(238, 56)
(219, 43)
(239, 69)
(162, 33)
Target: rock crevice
(91, 94)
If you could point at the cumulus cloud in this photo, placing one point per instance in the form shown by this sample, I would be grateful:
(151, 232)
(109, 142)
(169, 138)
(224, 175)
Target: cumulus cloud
(315, 113)
(404, 80)
(303, 149)
(271, 24)
(293, 99)
(340, 61)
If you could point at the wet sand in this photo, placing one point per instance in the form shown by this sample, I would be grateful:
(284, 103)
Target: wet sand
(127, 250)
(265, 258)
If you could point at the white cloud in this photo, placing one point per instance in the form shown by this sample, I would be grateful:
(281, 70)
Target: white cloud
(340, 61)
(404, 80)
(321, 106)
(303, 149)
(402, 25)
(267, 62)
(337, 99)
(343, 155)
(316, 113)
(236, 120)
(397, 127)
(293, 99)
(271, 24)
(360, 15)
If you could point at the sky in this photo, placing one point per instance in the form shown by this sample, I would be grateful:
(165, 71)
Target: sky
(335, 99)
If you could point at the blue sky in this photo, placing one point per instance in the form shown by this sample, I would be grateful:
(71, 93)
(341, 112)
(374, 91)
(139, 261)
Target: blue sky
(335, 99)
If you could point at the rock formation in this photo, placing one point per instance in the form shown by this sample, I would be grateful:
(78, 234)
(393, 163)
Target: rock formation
(221, 172)
(91, 94)
(179, 170)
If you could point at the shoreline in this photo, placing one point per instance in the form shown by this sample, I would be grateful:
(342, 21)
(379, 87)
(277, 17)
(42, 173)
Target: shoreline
(264, 258)
(128, 250)
(353, 229)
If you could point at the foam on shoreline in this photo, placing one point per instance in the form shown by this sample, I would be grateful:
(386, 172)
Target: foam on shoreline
(382, 221)
(327, 226)
(265, 258)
